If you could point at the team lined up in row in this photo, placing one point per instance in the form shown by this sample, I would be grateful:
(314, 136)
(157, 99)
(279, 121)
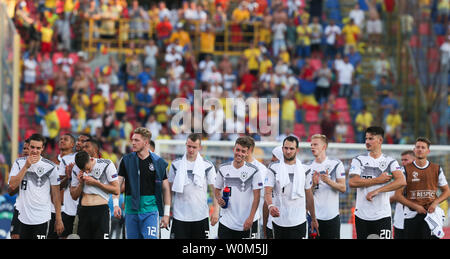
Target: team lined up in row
(280, 195)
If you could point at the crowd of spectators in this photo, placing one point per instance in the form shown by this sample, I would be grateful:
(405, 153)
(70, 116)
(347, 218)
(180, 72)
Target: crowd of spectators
(302, 56)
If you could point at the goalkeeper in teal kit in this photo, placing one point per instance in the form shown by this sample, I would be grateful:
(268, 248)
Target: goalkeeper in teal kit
(147, 190)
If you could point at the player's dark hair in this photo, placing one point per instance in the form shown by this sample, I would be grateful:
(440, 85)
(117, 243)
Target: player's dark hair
(425, 140)
(375, 130)
(71, 137)
(195, 136)
(152, 143)
(27, 140)
(81, 159)
(243, 141)
(38, 137)
(95, 143)
(291, 139)
(251, 140)
(86, 135)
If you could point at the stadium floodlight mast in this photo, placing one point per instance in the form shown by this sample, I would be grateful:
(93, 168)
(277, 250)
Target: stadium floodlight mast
(263, 115)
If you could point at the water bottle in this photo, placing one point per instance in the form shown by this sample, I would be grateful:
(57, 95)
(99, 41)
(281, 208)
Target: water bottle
(225, 196)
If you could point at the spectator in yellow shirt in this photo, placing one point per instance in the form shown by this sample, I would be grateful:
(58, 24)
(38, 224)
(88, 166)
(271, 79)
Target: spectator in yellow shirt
(265, 65)
(207, 41)
(393, 121)
(304, 40)
(351, 33)
(80, 102)
(288, 112)
(253, 55)
(120, 99)
(363, 120)
(98, 102)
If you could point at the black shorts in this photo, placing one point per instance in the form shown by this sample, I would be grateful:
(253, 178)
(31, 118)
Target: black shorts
(399, 233)
(269, 233)
(51, 228)
(381, 227)
(226, 233)
(190, 230)
(295, 232)
(417, 228)
(15, 223)
(34, 231)
(330, 229)
(68, 224)
(94, 222)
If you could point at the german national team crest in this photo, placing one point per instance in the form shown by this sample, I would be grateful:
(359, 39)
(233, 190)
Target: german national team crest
(383, 165)
(40, 171)
(244, 176)
(151, 167)
(96, 173)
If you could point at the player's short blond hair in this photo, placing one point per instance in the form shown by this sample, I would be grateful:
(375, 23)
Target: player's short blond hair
(144, 132)
(321, 137)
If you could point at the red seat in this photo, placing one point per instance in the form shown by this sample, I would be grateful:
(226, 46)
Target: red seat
(312, 116)
(346, 116)
(350, 137)
(29, 96)
(440, 40)
(314, 129)
(341, 104)
(299, 130)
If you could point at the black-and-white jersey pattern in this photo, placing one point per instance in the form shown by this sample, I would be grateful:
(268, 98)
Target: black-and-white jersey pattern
(274, 166)
(241, 182)
(370, 170)
(39, 174)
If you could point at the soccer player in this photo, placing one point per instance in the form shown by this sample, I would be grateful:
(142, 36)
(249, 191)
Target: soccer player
(147, 190)
(37, 178)
(328, 180)
(371, 174)
(289, 182)
(93, 179)
(244, 180)
(277, 154)
(263, 171)
(189, 178)
(67, 161)
(420, 198)
(92, 147)
(15, 223)
(81, 140)
(407, 157)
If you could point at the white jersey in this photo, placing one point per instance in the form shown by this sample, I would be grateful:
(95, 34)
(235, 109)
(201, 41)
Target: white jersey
(192, 204)
(242, 182)
(69, 204)
(292, 211)
(34, 190)
(368, 167)
(326, 199)
(104, 170)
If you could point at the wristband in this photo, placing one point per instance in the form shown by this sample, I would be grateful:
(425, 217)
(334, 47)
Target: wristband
(270, 206)
(116, 202)
(166, 210)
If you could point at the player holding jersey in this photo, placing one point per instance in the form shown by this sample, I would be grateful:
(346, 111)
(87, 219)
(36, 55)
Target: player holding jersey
(95, 179)
(37, 178)
(371, 174)
(328, 180)
(240, 219)
(189, 178)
